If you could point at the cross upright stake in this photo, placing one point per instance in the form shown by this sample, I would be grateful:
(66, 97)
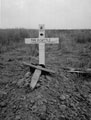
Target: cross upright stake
(41, 41)
(41, 45)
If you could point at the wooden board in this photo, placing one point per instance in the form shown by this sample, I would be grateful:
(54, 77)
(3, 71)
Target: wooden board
(35, 78)
(39, 67)
(79, 70)
(41, 40)
(84, 72)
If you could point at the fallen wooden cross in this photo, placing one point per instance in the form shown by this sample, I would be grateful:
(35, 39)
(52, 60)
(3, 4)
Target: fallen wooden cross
(38, 71)
(39, 68)
(41, 41)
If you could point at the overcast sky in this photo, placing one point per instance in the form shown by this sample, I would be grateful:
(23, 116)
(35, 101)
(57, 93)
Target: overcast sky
(55, 14)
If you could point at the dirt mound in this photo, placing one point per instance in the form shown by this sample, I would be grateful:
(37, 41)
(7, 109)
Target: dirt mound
(57, 97)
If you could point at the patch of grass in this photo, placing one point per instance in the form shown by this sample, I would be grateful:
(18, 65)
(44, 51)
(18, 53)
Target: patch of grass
(82, 36)
(10, 38)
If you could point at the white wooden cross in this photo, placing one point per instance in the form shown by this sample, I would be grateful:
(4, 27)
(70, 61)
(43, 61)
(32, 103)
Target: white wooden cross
(41, 41)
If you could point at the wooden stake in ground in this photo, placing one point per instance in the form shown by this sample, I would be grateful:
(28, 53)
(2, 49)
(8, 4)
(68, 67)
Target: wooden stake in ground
(41, 41)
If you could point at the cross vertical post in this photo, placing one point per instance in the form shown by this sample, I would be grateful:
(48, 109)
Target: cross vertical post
(41, 45)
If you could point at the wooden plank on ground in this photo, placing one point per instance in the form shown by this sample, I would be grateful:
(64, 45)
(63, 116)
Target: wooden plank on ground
(78, 70)
(35, 78)
(39, 67)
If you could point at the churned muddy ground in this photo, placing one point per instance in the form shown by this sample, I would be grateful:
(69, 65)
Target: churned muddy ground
(61, 96)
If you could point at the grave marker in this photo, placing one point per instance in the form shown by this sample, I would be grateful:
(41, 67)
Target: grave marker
(41, 41)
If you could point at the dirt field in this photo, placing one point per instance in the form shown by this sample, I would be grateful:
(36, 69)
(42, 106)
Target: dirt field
(61, 96)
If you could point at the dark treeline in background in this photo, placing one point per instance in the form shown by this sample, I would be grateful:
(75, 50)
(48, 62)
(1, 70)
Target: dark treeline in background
(12, 38)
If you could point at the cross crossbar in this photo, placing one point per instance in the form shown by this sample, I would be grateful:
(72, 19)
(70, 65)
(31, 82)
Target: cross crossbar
(41, 40)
